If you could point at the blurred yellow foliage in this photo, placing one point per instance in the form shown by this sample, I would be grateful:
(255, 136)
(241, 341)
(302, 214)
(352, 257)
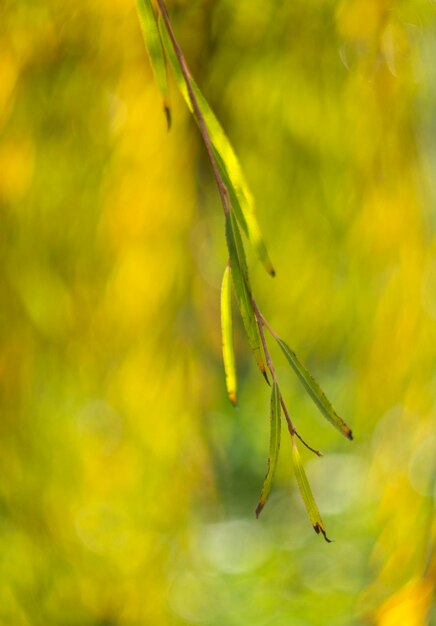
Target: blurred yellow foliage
(409, 605)
(128, 482)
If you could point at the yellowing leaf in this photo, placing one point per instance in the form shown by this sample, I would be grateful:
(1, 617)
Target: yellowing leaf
(274, 447)
(153, 44)
(306, 493)
(315, 391)
(228, 163)
(243, 206)
(227, 335)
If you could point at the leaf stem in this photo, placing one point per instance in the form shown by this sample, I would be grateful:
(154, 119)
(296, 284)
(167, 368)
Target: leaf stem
(261, 322)
(222, 189)
(317, 452)
(266, 324)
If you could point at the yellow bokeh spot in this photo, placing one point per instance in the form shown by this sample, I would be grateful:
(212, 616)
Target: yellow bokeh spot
(16, 168)
(409, 605)
(361, 19)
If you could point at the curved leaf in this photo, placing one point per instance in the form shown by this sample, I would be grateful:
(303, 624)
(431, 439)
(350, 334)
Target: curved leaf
(228, 163)
(238, 265)
(227, 336)
(306, 493)
(153, 43)
(243, 206)
(274, 447)
(315, 391)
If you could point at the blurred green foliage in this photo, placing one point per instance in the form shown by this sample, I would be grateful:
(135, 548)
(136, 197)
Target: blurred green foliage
(128, 482)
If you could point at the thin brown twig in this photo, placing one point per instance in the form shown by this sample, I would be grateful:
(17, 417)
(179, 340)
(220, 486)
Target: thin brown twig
(224, 195)
(317, 452)
(293, 431)
(291, 428)
(265, 323)
(269, 362)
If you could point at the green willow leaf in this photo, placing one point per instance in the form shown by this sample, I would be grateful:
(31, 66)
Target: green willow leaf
(243, 206)
(274, 447)
(239, 271)
(227, 336)
(153, 44)
(228, 163)
(315, 391)
(306, 493)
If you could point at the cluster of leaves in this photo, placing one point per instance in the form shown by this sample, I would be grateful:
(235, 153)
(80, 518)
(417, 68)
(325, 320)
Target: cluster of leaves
(239, 211)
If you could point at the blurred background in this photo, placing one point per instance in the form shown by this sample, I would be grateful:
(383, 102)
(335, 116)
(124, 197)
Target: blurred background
(128, 482)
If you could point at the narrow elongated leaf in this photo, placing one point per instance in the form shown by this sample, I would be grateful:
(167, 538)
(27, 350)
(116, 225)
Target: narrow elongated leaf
(315, 391)
(228, 163)
(153, 43)
(274, 447)
(243, 206)
(227, 335)
(306, 493)
(238, 265)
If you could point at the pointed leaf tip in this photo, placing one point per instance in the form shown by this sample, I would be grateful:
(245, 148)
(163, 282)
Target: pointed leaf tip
(259, 508)
(306, 493)
(167, 112)
(265, 375)
(274, 447)
(156, 53)
(318, 529)
(315, 391)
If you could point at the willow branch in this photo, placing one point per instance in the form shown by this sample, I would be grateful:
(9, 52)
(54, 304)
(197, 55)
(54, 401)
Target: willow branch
(224, 195)
(261, 322)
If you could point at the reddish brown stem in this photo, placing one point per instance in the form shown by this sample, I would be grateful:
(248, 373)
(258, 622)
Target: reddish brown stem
(261, 322)
(224, 195)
